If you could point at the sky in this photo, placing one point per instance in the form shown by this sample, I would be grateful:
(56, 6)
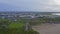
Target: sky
(30, 5)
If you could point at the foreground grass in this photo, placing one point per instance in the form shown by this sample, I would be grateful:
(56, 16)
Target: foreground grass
(14, 28)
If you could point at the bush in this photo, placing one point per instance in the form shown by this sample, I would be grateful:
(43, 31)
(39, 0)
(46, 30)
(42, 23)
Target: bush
(32, 32)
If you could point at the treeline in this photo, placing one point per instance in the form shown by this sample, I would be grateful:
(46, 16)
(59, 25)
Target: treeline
(41, 20)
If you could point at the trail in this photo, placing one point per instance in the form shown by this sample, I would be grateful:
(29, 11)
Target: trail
(47, 28)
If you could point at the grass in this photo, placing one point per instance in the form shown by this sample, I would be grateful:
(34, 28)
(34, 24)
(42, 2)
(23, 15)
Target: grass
(15, 25)
(15, 28)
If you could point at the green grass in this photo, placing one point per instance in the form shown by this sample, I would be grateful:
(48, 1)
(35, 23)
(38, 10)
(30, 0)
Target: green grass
(15, 25)
(18, 28)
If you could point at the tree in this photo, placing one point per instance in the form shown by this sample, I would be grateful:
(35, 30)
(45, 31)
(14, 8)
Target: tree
(4, 23)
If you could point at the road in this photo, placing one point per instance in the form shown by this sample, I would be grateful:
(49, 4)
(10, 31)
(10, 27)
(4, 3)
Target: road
(47, 28)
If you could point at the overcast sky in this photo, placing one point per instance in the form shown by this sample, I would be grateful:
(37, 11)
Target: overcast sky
(30, 5)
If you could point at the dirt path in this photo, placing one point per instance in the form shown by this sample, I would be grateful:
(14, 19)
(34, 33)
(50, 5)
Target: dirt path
(47, 28)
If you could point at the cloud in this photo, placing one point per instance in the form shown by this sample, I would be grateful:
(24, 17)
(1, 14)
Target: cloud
(6, 7)
(34, 5)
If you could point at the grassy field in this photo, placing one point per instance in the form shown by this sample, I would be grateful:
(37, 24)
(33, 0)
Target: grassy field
(17, 27)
